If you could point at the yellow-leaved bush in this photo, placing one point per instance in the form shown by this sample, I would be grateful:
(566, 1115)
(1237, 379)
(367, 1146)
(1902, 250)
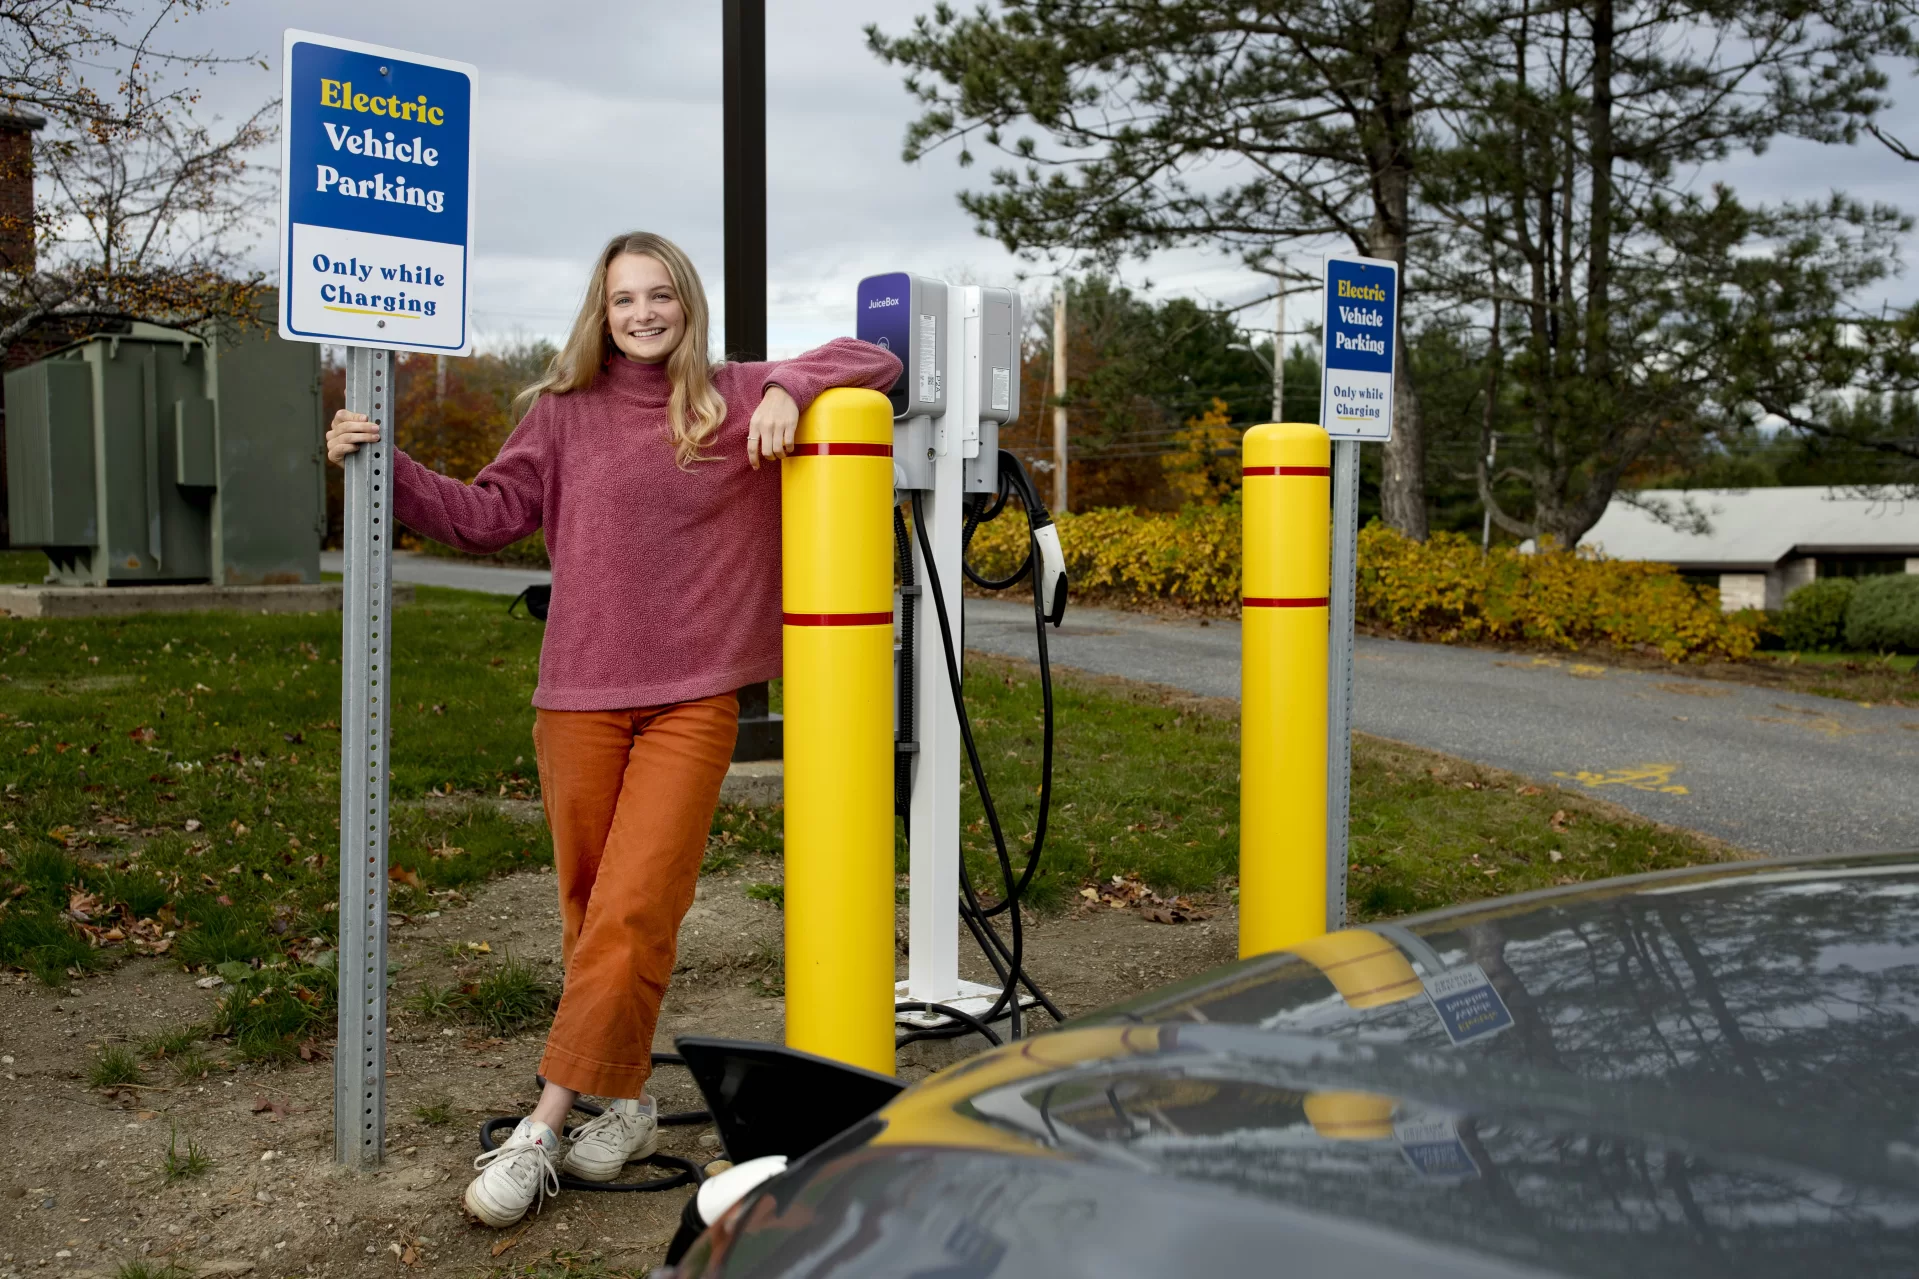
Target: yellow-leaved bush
(1190, 558)
(1440, 589)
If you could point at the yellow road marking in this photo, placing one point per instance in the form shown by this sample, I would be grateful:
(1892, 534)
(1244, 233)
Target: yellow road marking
(1656, 778)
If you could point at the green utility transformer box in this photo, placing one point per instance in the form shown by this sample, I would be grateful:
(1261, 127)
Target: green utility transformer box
(154, 456)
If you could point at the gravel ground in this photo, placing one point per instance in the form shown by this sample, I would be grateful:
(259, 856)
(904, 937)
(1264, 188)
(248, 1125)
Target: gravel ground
(83, 1193)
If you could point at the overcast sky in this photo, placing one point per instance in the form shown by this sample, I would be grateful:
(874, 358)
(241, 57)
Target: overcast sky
(597, 118)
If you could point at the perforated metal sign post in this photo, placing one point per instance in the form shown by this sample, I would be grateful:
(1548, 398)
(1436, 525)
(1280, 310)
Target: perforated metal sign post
(359, 1059)
(376, 231)
(1360, 321)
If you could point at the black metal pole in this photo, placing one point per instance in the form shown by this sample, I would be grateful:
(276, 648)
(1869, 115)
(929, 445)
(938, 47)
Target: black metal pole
(743, 97)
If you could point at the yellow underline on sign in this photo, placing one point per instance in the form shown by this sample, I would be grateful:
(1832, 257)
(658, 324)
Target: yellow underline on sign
(354, 310)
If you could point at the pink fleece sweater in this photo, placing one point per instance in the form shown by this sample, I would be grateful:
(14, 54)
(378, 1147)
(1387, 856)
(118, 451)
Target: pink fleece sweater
(666, 582)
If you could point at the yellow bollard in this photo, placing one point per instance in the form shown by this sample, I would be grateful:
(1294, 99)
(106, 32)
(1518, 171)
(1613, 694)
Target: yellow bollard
(1367, 970)
(1350, 1116)
(1286, 503)
(837, 539)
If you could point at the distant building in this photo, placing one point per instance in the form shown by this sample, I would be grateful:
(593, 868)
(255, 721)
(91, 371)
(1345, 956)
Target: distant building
(1762, 544)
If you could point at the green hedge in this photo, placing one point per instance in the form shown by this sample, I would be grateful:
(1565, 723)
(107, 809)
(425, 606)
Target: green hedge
(1814, 618)
(1883, 615)
(528, 552)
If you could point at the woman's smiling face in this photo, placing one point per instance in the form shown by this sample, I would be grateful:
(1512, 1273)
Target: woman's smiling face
(643, 310)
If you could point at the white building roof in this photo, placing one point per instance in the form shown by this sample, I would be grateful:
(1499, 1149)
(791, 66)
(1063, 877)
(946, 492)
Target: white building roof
(1754, 529)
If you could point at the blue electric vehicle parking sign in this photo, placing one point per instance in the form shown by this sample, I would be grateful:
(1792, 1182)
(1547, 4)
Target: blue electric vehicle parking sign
(1467, 1002)
(1361, 327)
(376, 196)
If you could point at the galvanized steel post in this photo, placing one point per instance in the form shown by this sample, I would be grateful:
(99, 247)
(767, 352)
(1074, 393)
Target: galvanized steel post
(1339, 722)
(1283, 636)
(837, 540)
(359, 1059)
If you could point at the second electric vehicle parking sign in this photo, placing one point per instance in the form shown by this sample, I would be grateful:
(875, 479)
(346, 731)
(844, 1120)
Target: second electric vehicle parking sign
(376, 207)
(1361, 334)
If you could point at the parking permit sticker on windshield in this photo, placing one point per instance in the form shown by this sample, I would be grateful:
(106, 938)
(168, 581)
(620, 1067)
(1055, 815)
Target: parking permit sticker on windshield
(1434, 1149)
(1468, 1006)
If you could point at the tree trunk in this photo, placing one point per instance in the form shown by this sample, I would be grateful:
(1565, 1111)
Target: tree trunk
(1402, 477)
(1599, 259)
(1402, 481)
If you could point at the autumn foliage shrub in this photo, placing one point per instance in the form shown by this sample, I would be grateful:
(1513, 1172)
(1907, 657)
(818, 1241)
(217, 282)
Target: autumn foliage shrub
(1189, 558)
(1445, 589)
(1442, 589)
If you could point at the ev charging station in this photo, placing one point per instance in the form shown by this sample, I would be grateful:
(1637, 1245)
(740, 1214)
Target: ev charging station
(960, 348)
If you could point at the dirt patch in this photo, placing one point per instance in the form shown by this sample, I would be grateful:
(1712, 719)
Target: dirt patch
(85, 1192)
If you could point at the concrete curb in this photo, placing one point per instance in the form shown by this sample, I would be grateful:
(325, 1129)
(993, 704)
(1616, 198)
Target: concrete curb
(122, 601)
(759, 784)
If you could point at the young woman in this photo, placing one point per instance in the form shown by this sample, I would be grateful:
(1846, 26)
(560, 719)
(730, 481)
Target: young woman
(643, 463)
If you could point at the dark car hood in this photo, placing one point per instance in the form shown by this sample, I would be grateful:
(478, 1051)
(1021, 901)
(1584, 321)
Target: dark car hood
(1703, 1074)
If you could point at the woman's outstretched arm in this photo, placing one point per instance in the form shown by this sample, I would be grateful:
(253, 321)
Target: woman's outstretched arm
(841, 362)
(501, 506)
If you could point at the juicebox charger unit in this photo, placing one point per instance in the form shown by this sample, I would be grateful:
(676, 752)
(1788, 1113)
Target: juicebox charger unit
(960, 348)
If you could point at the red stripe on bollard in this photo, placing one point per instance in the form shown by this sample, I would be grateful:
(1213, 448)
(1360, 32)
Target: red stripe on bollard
(1287, 470)
(838, 619)
(841, 449)
(1303, 602)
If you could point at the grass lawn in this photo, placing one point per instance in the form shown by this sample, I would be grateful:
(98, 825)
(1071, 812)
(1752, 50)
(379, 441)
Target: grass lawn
(172, 784)
(22, 566)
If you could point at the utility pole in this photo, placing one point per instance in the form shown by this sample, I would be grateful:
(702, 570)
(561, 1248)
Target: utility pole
(1486, 531)
(1059, 397)
(1279, 348)
(743, 129)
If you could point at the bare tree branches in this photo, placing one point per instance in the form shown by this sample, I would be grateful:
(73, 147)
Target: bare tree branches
(148, 225)
(96, 65)
(146, 211)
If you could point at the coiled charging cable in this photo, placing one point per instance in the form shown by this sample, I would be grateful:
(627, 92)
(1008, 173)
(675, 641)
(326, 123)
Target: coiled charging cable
(1006, 955)
(688, 1173)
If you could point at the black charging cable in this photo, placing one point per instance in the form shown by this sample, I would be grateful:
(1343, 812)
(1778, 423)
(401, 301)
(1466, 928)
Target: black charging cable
(1006, 958)
(687, 1172)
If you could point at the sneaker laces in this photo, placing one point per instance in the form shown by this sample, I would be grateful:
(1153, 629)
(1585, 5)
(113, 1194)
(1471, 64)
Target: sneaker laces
(606, 1122)
(517, 1145)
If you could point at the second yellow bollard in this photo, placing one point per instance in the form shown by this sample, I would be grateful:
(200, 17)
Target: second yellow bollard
(1286, 504)
(837, 541)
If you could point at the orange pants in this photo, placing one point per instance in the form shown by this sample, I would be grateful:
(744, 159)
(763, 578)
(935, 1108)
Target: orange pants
(629, 798)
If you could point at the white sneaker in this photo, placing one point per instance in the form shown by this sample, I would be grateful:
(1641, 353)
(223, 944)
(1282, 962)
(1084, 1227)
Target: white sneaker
(514, 1176)
(626, 1130)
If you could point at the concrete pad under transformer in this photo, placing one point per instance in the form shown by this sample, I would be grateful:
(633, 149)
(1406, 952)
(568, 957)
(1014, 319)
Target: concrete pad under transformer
(122, 601)
(756, 783)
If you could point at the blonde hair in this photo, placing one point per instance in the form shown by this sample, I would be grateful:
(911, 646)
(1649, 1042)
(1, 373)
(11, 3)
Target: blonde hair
(694, 410)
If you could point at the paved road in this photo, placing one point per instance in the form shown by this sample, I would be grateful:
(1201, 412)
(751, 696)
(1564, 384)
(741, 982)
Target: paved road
(430, 570)
(1777, 772)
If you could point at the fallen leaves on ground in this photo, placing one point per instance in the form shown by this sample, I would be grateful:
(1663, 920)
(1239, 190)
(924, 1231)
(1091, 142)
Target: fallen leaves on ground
(1124, 892)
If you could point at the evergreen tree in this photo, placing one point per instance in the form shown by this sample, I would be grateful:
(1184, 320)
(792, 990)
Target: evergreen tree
(1167, 122)
(1622, 307)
